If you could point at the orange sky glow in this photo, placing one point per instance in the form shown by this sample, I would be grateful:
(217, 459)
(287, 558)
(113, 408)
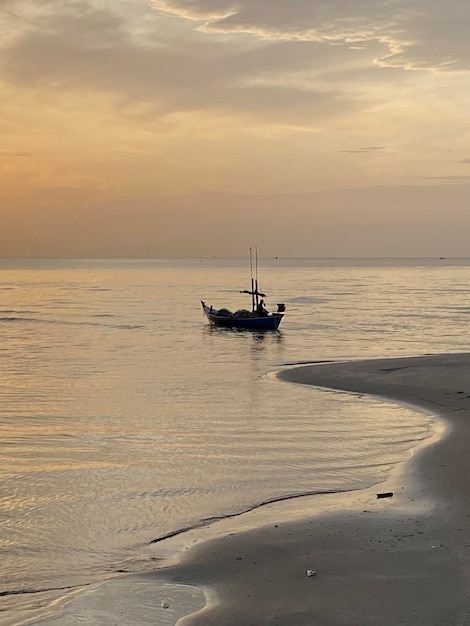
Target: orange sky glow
(197, 127)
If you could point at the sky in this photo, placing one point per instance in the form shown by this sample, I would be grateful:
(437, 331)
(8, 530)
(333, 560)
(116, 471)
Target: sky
(193, 128)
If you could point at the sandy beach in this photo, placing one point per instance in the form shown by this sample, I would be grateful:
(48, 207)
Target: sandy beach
(402, 559)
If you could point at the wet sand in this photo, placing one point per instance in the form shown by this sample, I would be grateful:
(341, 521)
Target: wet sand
(403, 559)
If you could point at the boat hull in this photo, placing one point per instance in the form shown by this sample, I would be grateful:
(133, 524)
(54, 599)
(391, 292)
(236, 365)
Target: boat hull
(251, 322)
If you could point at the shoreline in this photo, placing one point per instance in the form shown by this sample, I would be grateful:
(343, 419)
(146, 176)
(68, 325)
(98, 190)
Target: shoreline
(398, 560)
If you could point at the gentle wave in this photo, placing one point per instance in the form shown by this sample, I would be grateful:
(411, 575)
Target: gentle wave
(217, 518)
(20, 319)
(26, 591)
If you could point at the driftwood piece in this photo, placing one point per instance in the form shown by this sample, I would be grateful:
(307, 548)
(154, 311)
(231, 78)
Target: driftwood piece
(387, 494)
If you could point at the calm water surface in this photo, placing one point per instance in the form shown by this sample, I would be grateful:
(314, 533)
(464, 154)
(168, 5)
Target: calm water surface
(124, 417)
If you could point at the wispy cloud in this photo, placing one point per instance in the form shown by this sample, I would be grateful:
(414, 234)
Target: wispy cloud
(363, 150)
(74, 46)
(14, 154)
(448, 179)
(417, 33)
(289, 62)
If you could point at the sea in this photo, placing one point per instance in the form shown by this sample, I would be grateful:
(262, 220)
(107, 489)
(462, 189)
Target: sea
(125, 418)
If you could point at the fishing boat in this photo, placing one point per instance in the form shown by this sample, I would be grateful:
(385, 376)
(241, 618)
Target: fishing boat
(259, 318)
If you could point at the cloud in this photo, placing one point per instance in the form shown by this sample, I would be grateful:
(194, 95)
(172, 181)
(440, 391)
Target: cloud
(297, 60)
(419, 34)
(75, 46)
(14, 154)
(298, 63)
(363, 150)
(447, 179)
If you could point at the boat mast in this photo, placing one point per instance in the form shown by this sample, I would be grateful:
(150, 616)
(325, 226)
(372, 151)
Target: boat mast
(256, 279)
(252, 282)
(254, 293)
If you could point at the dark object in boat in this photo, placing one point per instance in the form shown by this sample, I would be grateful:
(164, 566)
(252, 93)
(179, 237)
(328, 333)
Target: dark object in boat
(242, 313)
